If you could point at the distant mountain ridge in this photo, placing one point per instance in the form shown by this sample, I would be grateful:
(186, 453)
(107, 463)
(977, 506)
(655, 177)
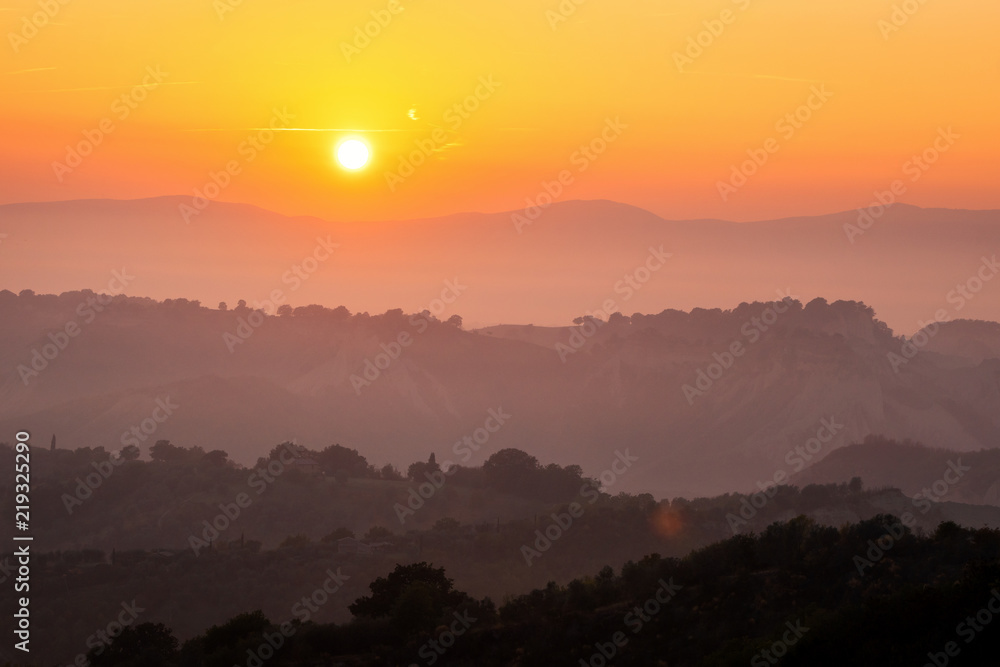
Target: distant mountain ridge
(564, 264)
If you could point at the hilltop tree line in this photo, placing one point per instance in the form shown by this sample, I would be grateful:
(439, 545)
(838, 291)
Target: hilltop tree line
(29, 300)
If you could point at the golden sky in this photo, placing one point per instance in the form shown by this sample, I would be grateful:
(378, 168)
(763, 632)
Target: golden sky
(535, 80)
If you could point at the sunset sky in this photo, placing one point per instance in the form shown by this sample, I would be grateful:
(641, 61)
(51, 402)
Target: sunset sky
(554, 83)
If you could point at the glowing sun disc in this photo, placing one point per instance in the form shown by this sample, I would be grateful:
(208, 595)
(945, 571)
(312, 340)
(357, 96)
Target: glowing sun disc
(352, 154)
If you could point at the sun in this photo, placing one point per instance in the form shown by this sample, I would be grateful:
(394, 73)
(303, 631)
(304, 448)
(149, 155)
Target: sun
(352, 154)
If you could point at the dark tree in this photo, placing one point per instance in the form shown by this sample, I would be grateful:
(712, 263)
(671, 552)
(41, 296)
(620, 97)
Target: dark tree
(412, 596)
(420, 469)
(510, 470)
(389, 473)
(216, 457)
(232, 631)
(163, 450)
(336, 460)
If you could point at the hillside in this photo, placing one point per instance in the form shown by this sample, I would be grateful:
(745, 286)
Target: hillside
(816, 376)
(914, 469)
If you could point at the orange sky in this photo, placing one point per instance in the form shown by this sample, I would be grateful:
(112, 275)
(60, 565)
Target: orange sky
(557, 84)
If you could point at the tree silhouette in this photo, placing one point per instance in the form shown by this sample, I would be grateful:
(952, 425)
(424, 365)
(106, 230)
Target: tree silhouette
(344, 462)
(163, 450)
(144, 645)
(426, 588)
(420, 469)
(510, 470)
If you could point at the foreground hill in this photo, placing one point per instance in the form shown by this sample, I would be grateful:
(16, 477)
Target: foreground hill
(140, 536)
(856, 592)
